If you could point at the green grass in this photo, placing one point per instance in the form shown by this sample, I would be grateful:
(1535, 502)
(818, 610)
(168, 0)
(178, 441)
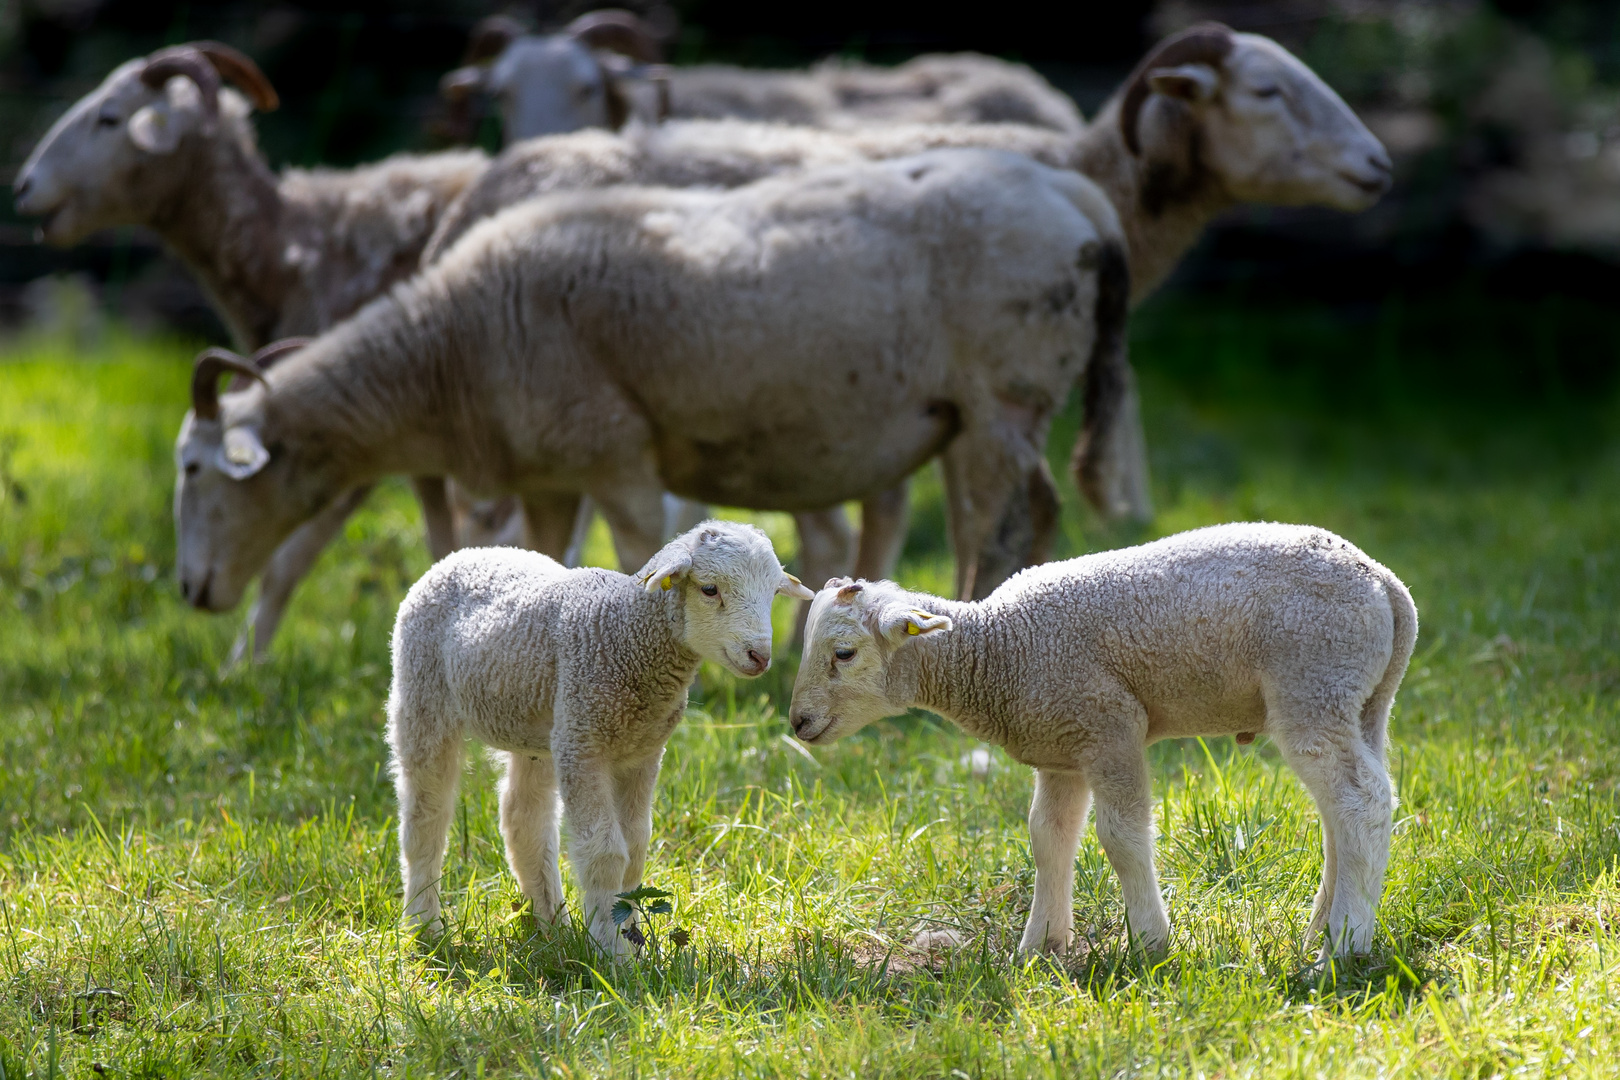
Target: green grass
(197, 869)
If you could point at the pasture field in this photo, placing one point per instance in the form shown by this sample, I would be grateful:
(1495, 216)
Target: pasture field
(197, 867)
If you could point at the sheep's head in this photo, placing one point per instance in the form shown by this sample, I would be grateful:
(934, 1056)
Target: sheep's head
(855, 630)
(239, 492)
(106, 161)
(554, 83)
(724, 575)
(1239, 110)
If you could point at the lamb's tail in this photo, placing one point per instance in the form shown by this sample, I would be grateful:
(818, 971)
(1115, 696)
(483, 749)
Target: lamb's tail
(1109, 462)
(1375, 714)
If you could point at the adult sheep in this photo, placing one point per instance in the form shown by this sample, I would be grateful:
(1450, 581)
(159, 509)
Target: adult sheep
(609, 342)
(548, 83)
(163, 143)
(1208, 120)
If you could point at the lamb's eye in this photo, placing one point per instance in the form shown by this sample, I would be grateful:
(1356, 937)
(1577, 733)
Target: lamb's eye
(710, 590)
(844, 652)
(1266, 91)
(105, 121)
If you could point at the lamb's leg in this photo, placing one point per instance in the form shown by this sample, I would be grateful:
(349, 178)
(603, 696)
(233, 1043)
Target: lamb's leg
(598, 849)
(1351, 786)
(633, 795)
(884, 518)
(1056, 816)
(426, 780)
(529, 825)
(290, 564)
(549, 517)
(1124, 793)
(437, 518)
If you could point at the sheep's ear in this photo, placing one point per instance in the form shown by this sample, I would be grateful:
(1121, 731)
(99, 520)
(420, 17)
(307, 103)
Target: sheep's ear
(792, 586)
(1188, 82)
(241, 454)
(665, 567)
(158, 128)
(900, 624)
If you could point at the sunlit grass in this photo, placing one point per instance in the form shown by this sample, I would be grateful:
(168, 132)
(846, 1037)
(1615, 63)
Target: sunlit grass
(197, 869)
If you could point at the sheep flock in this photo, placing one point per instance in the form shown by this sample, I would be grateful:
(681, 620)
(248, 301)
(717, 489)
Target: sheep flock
(677, 288)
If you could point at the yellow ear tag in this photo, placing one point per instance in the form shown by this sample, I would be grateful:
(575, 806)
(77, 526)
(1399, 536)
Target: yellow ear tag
(911, 628)
(668, 583)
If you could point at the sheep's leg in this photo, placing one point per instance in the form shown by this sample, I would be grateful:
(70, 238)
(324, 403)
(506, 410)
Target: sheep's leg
(635, 514)
(682, 515)
(426, 784)
(432, 492)
(290, 564)
(884, 518)
(1124, 794)
(529, 820)
(1056, 816)
(598, 849)
(1024, 535)
(1351, 786)
(826, 550)
(549, 517)
(982, 474)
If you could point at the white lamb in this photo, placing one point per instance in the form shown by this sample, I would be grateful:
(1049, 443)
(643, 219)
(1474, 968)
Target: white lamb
(579, 677)
(1074, 667)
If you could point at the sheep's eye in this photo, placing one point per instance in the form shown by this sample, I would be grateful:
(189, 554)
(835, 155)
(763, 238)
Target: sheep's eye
(710, 590)
(106, 121)
(1266, 91)
(844, 652)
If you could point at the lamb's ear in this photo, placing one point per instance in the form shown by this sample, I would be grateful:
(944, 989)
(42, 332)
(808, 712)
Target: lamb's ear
(792, 586)
(1188, 82)
(158, 128)
(899, 624)
(241, 454)
(670, 563)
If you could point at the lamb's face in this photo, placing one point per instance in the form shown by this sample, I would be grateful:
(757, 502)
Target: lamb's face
(234, 501)
(727, 575)
(854, 632)
(105, 162)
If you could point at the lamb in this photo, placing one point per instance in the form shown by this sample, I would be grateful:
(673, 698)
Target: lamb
(1074, 667)
(161, 143)
(609, 343)
(1209, 119)
(577, 678)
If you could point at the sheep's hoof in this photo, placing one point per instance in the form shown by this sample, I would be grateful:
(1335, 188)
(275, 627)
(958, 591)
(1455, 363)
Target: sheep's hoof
(1244, 738)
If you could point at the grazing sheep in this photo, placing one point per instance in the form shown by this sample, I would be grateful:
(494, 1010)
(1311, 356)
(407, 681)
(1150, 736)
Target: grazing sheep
(1074, 667)
(161, 143)
(578, 678)
(1209, 119)
(788, 345)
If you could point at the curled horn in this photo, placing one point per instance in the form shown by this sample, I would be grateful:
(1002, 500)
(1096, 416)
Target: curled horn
(211, 364)
(1205, 43)
(617, 30)
(276, 351)
(165, 64)
(238, 68)
(490, 37)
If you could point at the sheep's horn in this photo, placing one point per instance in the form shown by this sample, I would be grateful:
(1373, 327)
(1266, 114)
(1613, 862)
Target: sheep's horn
(490, 37)
(165, 64)
(237, 68)
(211, 364)
(617, 30)
(276, 351)
(1205, 43)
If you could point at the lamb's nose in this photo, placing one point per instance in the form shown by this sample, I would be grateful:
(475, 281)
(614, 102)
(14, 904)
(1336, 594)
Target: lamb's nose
(800, 720)
(760, 662)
